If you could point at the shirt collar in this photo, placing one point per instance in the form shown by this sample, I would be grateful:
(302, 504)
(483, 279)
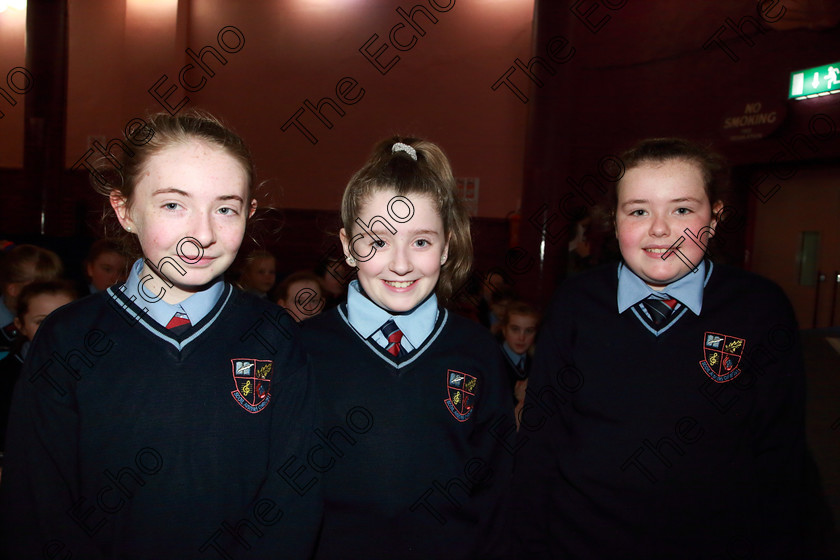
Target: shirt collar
(195, 306)
(688, 290)
(514, 357)
(367, 317)
(6, 316)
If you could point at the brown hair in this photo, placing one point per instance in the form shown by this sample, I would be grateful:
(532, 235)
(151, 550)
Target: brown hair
(103, 246)
(712, 165)
(256, 255)
(165, 130)
(35, 289)
(29, 263)
(282, 291)
(519, 308)
(430, 175)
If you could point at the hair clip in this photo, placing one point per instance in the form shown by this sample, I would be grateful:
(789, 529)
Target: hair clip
(400, 147)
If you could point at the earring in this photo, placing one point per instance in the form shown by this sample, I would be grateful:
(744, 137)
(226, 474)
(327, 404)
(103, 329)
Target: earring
(351, 261)
(128, 229)
(442, 259)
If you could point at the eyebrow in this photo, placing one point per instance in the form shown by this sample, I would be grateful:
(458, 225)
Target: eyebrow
(173, 190)
(645, 201)
(429, 232)
(635, 201)
(686, 199)
(424, 232)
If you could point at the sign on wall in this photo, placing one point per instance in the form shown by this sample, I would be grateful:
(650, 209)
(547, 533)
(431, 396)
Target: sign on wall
(468, 191)
(815, 82)
(752, 121)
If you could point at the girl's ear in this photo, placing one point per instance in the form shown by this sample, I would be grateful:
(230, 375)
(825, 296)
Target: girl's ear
(253, 208)
(120, 205)
(348, 252)
(18, 324)
(445, 255)
(345, 243)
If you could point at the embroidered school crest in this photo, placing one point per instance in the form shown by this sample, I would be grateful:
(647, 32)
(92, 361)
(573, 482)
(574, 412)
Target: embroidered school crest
(723, 354)
(253, 381)
(462, 388)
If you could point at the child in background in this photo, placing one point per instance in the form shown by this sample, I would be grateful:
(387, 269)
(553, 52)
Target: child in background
(301, 294)
(421, 476)
(258, 273)
(495, 291)
(20, 266)
(334, 276)
(519, 325)
(665, 412)
(150, 419)
(499, 300)
(105, 265)
(35, 302)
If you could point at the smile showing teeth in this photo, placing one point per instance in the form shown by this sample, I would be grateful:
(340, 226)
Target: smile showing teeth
(658, 251)
(399, 284)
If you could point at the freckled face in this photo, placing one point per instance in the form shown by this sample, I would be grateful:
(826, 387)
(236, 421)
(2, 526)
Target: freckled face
(189, 208)
(657, 202)
(399, 270)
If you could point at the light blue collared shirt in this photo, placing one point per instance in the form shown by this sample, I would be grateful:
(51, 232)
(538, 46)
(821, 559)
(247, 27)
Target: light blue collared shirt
(513, 356)
(196, 306)
(688, 290)
(6, 316)
(367, 318)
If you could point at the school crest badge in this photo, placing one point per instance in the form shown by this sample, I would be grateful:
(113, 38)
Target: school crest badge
(462, 389)
(252, 379)
(723, 354)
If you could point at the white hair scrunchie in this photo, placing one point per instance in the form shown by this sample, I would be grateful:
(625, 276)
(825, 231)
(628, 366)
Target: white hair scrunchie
(400, 147)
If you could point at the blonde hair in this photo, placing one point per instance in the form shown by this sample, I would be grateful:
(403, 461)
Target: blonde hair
(430, 174)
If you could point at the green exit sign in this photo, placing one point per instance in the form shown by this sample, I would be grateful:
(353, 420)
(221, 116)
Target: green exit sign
(815, 82)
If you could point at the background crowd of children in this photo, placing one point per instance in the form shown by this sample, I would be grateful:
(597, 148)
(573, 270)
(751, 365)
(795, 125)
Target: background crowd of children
(433, 467)
(36, 281)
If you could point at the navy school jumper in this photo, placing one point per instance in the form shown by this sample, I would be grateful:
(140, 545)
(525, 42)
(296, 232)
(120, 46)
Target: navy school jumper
(128, 442)
(417, 466)
(688, 445)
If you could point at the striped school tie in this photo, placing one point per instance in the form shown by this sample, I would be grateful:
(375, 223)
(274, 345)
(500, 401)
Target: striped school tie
(394, 336)
(660, 309)
(178, 323)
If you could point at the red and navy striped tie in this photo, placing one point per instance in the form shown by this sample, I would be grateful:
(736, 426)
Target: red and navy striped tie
(394, 336)
(660, 309)
(178, 323)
